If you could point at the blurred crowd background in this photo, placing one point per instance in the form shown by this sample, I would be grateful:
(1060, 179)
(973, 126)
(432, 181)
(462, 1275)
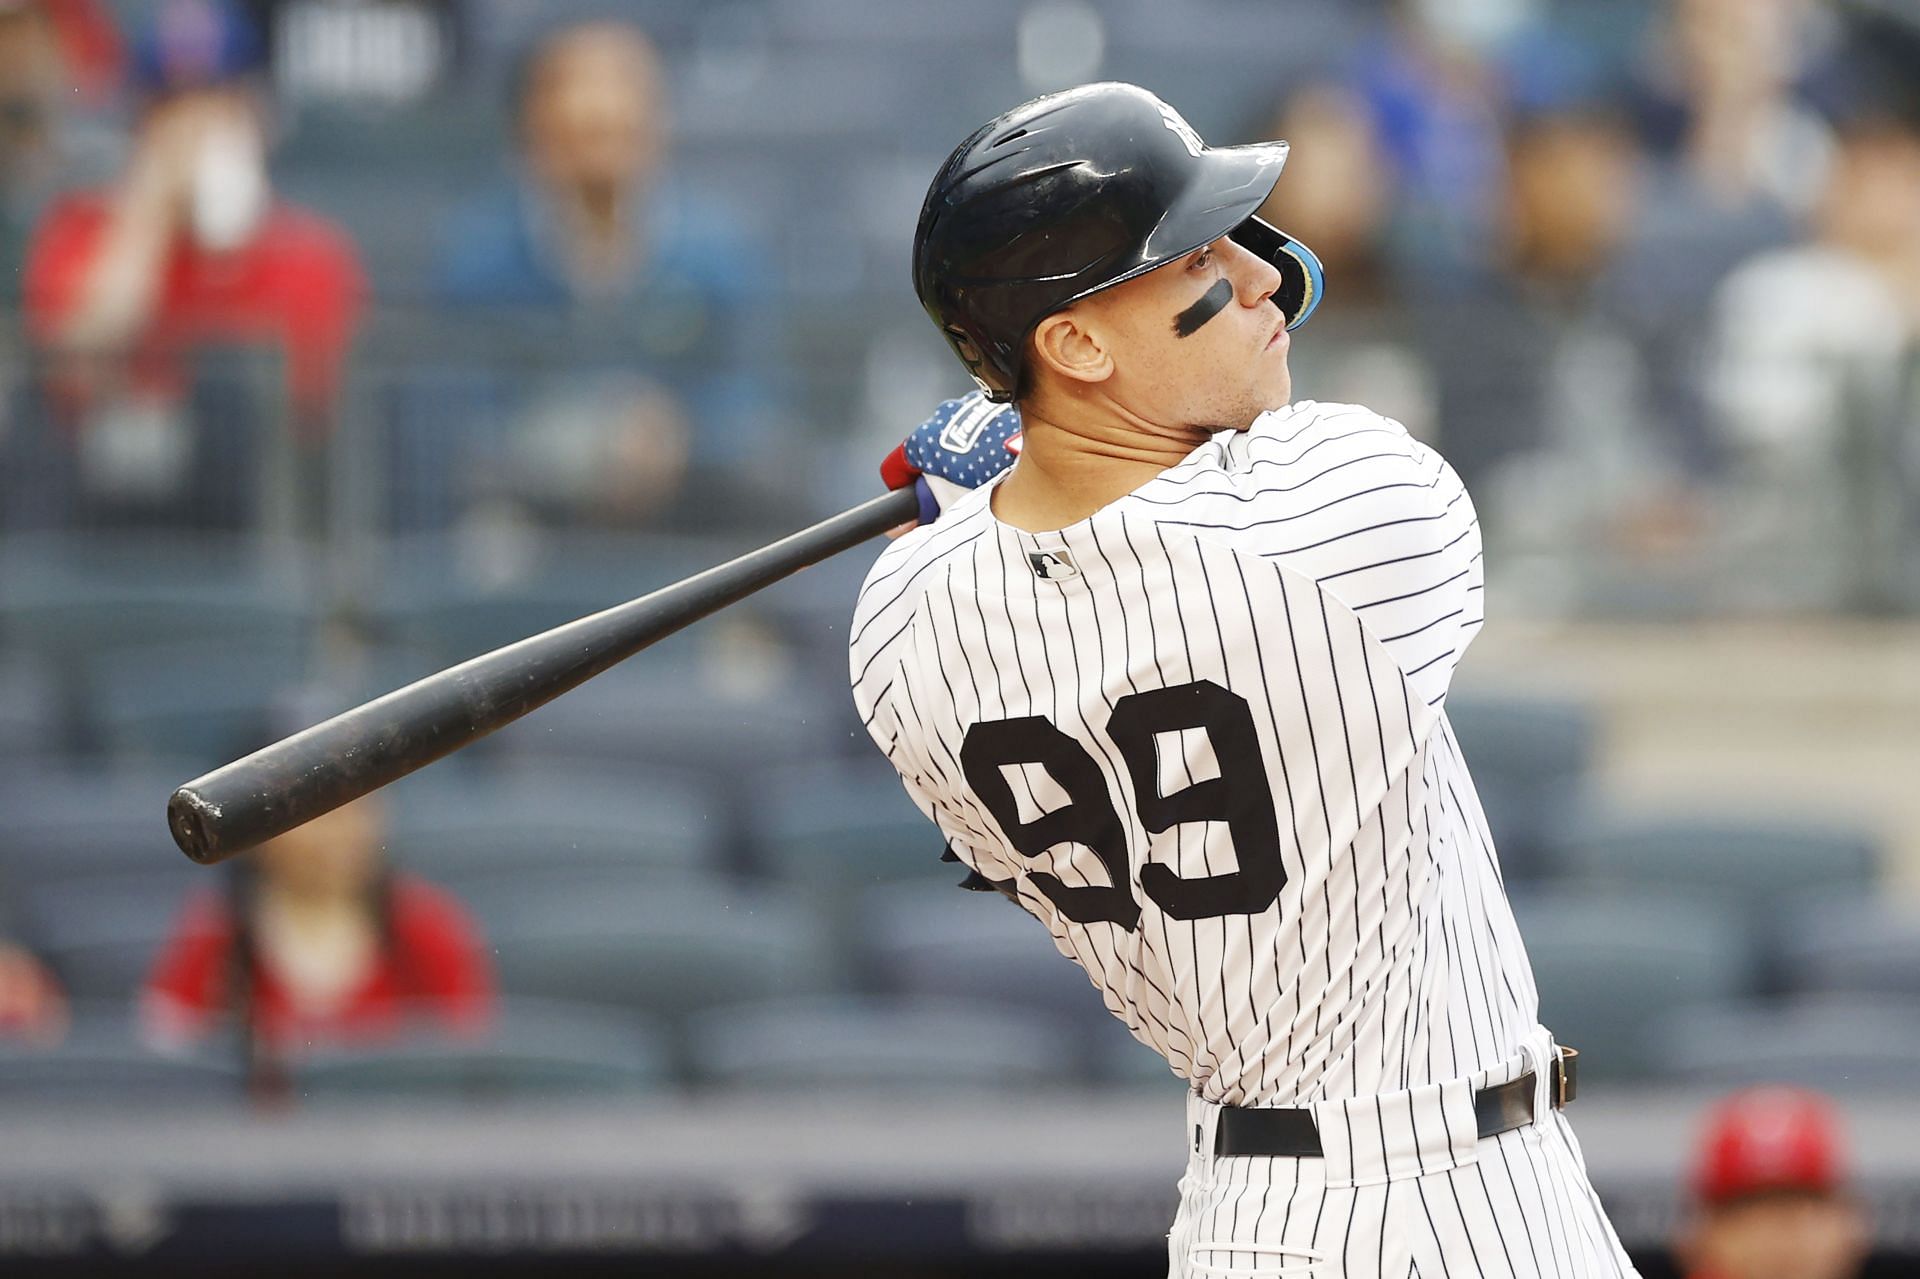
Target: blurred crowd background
(343, 339)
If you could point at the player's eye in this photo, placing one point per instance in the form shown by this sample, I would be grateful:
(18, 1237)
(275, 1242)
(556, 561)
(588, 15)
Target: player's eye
(1201, 260)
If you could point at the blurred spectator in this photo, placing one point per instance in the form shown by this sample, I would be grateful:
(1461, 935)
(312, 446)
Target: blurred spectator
(667, 313)
(1812, 381)
(1431, 85)
(190, 249)
(32, 1005)
(51, 53)
(1555, 397)
(1739, 157)
(1338, 198)
(1720, 100)
(317, 942)
(1770, 1193)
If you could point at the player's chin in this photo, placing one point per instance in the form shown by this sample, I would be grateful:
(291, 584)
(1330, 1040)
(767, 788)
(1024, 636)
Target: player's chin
(1276, 392)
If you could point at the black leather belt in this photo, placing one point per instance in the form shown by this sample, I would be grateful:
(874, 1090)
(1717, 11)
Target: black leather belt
(1291, 1132)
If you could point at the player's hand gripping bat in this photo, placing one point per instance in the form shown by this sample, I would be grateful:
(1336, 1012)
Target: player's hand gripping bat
(315, 771)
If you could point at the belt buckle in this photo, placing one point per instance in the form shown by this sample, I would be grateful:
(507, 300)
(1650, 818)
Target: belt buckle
(1564, 1075)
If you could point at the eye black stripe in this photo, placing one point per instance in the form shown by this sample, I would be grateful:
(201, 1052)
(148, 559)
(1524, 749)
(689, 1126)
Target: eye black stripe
(1211, 303)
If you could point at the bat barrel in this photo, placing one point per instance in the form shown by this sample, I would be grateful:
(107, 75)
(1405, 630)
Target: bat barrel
(273, 790)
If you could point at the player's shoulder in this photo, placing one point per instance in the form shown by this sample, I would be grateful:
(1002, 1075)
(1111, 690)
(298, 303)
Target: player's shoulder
(915, 560)
(1306, 437)
(1311, 421)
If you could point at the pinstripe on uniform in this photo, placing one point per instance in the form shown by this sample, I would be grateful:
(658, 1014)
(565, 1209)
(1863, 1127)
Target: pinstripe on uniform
(1316, 579)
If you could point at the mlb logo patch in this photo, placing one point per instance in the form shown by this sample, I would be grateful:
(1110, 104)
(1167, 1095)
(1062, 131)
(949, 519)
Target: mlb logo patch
(1054, 566)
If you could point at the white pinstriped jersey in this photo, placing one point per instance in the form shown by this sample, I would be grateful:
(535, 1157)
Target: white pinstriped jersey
(1201, 736)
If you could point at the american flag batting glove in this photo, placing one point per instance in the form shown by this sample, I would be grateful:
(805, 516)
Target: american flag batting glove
(964, 444)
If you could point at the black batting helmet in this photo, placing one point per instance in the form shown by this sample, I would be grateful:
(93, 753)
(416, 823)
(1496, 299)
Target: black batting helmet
(1072, 193)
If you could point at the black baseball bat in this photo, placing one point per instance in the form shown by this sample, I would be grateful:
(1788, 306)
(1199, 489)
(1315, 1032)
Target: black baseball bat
(315, 771)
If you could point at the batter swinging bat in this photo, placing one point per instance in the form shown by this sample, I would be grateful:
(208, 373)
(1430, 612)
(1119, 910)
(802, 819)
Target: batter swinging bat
(317, 770)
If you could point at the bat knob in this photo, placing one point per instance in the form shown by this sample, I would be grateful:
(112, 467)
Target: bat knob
(189, 827)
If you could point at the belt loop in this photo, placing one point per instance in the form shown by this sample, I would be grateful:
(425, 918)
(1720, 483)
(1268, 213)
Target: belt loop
(1566, 1075)
(1203, 1123)
(1542, 1053)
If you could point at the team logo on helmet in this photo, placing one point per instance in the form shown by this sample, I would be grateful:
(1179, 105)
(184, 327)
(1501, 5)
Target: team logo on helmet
(1181, 130)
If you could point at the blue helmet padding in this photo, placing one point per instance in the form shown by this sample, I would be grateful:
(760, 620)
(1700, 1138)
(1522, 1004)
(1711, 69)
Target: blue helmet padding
(1303, 281)
(1315, 282)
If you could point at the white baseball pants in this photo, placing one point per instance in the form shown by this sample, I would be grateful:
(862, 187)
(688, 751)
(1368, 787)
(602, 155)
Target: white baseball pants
(1407, 1190)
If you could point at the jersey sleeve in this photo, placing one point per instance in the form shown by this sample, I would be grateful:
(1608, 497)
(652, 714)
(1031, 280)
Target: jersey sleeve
(879, 633)
(884, 632)
(1383, 524)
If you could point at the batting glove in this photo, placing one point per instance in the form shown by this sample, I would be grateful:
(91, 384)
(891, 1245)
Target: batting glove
(964, 444)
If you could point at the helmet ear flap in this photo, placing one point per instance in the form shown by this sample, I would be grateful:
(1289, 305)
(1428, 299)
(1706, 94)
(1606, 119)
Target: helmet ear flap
(976, 363)
(1302, 279)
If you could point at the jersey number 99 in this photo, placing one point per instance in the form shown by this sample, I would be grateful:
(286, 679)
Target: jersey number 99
(1238, 796)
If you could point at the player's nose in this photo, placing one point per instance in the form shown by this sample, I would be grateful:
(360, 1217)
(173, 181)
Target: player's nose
(1255, 279)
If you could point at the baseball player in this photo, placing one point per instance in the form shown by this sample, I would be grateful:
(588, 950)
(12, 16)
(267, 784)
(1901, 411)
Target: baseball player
(1175, 681)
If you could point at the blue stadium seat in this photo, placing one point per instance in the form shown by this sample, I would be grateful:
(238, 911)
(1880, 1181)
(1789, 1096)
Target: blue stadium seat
(866, 1045)
(101, 1065)
(1752, 865)
(1837, 1043)
(75, 597)
(34, 722)
(1530, 759)
(434, 596)
(206, 700)
(63, 822)
(929, 941)
(643, 715)
(1609, 965)
(537, 1049)
(656, 947)
(101, 933)
(453, 825)
(843, 827)
(1851, 944)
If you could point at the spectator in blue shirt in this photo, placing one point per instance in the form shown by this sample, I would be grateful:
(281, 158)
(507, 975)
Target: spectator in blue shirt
(667, 311)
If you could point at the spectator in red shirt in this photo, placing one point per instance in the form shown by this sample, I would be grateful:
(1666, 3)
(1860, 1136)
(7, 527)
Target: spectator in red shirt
(190, 248)
(1770, 1193)
(318, 944)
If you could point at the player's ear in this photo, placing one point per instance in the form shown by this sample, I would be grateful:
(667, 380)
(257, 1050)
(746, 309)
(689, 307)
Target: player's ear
(1071, 347)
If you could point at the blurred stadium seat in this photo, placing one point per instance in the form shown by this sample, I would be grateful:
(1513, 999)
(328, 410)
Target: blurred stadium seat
(34, 723)
(101, 933)
(101, 1064)
(536, 1049)
(1609, 965)
(78, 821)
(208, 700)
(537, 821)
(1859, 944)
(1530, 760)
(78, 595)
(655, 947)
(647, 716)
(934, 940)
(1837, 1043)
(842, 827)
(1749, 864)
(865, 1045)
(438, 597)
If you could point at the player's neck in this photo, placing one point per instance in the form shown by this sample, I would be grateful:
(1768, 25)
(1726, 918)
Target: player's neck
(1070, 469)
